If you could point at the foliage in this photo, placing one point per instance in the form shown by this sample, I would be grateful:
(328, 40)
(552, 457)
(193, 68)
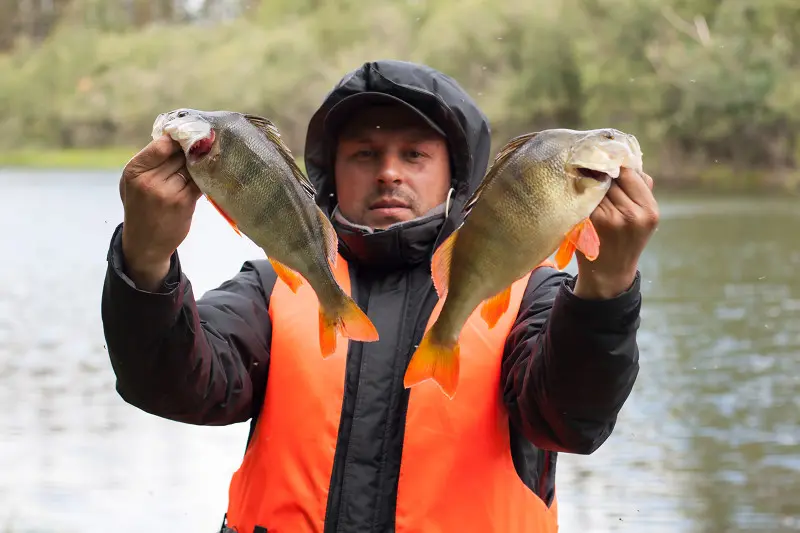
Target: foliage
(700, 82)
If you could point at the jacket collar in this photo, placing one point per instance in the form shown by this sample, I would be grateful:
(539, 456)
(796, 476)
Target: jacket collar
(399, 246)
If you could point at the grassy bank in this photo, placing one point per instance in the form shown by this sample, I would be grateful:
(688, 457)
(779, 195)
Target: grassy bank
(68, 159)
(74, 158)
(715, 178)
(708, 87)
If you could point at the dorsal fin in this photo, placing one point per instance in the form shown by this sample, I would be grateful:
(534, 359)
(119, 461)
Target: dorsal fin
(502, 156)
(269, 129)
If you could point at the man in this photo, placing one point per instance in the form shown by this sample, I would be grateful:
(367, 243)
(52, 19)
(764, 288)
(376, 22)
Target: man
(339, 445)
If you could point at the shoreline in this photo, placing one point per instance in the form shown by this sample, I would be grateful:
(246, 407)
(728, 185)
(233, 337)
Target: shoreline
(89, 159)
(113, 158)
(712, 179)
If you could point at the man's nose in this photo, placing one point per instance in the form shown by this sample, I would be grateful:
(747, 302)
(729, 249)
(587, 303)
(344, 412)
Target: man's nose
(390, 169)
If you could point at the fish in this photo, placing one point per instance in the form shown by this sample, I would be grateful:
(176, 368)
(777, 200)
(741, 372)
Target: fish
(534, 200)
(245, 170)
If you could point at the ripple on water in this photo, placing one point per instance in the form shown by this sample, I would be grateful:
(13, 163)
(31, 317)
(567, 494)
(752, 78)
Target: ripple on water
(708, 440)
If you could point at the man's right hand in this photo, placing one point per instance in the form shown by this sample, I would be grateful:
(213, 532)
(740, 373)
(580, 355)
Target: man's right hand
(159, 200)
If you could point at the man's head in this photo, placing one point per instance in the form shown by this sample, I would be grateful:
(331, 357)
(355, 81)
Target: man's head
(420, 175)
(391, 162)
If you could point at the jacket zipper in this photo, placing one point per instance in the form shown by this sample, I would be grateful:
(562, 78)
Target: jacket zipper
(545, 471)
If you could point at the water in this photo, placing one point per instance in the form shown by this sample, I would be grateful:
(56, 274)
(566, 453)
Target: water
(708, 442)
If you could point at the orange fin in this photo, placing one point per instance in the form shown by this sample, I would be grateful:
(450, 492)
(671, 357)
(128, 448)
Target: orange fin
(494, 307)
(564, 254)
(583, 237)
(331, 238)
(327, 335)
(287, 275)
(435, 361)
(351, 322)
(224, 215)
(586, 239)
(440, 264)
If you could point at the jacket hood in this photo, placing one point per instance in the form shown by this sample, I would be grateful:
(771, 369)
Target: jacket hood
(469, 138)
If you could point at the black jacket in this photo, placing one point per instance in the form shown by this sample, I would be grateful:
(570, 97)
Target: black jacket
(568, 367)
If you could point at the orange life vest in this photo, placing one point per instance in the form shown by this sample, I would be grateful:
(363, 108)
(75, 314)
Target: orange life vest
(456, 473)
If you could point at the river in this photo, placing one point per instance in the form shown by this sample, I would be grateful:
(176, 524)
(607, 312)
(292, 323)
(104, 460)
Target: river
(709, 440)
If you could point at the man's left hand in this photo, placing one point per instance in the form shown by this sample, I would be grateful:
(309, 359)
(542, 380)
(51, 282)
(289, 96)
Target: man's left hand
(624, 220)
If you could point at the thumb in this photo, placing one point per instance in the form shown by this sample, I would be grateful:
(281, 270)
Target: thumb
(649, 180)
(151, 156)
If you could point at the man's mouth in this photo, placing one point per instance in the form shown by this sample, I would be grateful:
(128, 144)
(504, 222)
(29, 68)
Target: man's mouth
(389, 204)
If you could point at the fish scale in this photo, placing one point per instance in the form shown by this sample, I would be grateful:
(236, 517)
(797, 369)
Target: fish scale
(535, 199)
(242, 166)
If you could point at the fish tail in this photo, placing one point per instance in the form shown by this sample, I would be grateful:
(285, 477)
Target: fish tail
(437, 361)
(346, 319)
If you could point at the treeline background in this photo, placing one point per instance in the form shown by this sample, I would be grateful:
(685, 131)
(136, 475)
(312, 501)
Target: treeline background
(710, 87)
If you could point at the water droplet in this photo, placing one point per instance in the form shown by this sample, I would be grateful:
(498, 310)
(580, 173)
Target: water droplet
(631, 79)
(763, 277)
(483, 67)
(499, 38)
(693, 81)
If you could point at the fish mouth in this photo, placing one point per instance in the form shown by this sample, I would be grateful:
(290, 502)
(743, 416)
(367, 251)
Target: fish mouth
(600, 155)
(201, 147)
(193, 133)
(597, 175)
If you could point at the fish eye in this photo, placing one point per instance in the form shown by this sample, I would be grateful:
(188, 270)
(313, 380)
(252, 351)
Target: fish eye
(182, 114)
(608, 135)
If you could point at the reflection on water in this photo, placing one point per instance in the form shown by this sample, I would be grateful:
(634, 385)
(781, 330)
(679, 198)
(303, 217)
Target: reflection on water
(708, 442)
(733, 312)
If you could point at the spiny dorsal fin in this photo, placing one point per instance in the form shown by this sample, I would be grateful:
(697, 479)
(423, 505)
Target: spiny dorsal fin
(502, 156)
(269, 129)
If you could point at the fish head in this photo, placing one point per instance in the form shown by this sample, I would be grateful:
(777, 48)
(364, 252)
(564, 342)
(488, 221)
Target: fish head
(200, 135)
(595, 158)
(192, 129)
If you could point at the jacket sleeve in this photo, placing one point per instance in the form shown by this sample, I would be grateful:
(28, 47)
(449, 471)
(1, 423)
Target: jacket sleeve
(200, 362)
(570, 364)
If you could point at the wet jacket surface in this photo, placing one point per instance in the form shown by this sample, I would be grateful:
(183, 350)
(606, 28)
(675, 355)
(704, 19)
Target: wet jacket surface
(568, 367)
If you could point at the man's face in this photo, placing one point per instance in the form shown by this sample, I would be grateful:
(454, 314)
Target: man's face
(390, 167)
